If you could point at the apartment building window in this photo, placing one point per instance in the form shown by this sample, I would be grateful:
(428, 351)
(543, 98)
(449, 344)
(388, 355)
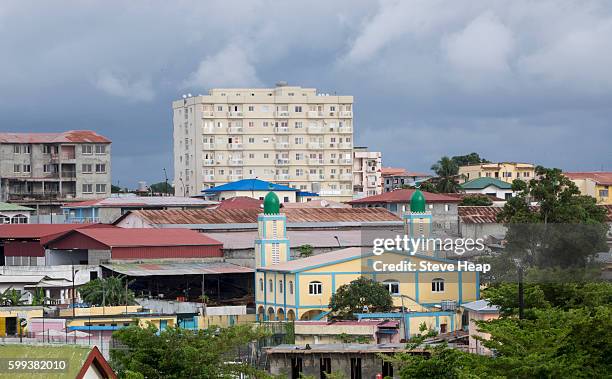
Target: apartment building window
(27, 168)
(265, 108)
(291, 287)
(48, 168)
(325, 367)
(16, 168)
(299, 156)
(332, 108)
(392, 286)
(526, 174)
(26, 149)
(100, 168)
(87, 188)
(602, 192)
(280, 286)
(219, 108)
(356, 368)
(100, 188)
(265, 140)
(251, 124)
(315, 288)
(437, 285)
(251, 139)
(49, 149)
(100, 149)
(251, 108)
(299, 125)
(265, 124)
(266, 155)
(86, 149)
(299, 140)
(251, 156)
(16, 149)
(298, 109)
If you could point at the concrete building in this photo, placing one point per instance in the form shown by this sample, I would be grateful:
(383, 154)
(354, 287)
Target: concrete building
(596, 184)
(346, 331)
(489, 186)
(14, 214)
(479, 310)
(367, 179)
(47, 167)
(110, 209)
(398, 178)
(506, 171)
(289, 135)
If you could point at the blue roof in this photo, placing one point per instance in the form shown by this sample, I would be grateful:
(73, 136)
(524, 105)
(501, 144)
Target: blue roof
(306, 194)
(249, 185)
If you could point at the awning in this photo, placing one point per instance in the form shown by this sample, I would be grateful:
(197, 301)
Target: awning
(170, 269)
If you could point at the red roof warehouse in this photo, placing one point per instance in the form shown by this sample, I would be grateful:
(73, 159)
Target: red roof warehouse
(137, 244)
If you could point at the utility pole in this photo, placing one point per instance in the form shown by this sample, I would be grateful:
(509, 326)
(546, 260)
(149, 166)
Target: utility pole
(166, 181)
(521, 293)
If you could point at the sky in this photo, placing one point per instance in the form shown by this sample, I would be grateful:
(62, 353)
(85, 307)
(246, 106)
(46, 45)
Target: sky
(512, 80)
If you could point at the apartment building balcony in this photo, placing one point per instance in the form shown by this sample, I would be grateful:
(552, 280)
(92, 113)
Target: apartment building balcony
(235, 130)
(208, 114)
(346, 114)
(345, 145)
(345, 129)
(282, 162)
(208, 146)
(281, 114)
(235, 114)
(282, 130)
(314, 114)
(208, 162)
(281, 177)
(282, 145)
(345, 177)
(333, 145)
(68, 174)
(208, 130)
(234, 177)
(314, 130)
(209, 178)
(315, 161)
(235, 162)
(315, 145)
(235, 146)
(346, 161)
(346, 192)
(316, 177)
(46, 196)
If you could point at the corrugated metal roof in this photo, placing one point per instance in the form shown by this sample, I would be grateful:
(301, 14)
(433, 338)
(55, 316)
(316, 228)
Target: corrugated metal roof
(317, 260)
(177, 268)
(478, 214)
(481, 183)
(120, 237)
(318, 203)
(403, 196)
(344, 348)
(71, 136)
(249, 216)
(35, 231)
(143, 201)
(249, 185)
(481, 306)
(8, 207)
(241, 202)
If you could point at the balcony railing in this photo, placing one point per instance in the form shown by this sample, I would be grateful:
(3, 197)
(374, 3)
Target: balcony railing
(281, 114)
(281, 177)
(235, 129)
(315, 161)
(315, 145)
(282, 129)
(345, 145)
(208, 114)
(209, 146)
(235, 162)
(314, 114)
(235, 114)
(282, 145)
(346, 114)
(346, 177)
(314, 130)
(346, 161)
(209, 162)
(282, 162)
(69, 174)
(316, 177)
(235, 146)
(50, 195)
(345, 129)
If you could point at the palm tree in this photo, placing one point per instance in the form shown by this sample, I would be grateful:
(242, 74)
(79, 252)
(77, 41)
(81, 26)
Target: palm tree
(107, 291)
(447, 171)
(11, 297)
(38, 296)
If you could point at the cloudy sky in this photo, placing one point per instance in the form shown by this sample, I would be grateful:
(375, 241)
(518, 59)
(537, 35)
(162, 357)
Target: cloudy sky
(512, 80)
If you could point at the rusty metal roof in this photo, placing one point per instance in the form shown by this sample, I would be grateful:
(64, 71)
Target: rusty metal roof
(404, 196)
(479, 214)
(71, 136)
(249, 216)
(177, 268)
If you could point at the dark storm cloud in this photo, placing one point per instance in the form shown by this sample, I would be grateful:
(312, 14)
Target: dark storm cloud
(516, 80)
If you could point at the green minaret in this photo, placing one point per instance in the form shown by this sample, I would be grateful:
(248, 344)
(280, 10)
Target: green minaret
(417, 202)
(271, 204)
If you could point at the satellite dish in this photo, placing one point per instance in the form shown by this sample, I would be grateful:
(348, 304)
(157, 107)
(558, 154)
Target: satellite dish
(188, 95)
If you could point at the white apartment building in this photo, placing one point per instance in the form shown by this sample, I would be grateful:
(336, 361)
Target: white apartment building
(367, 166)
(287, 135)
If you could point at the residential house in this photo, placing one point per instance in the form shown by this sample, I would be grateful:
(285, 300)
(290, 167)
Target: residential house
(489, 186)
(597, 184)
(505, 171)
(14, 214)
(367, 178)
(479, 310)
(397, 178)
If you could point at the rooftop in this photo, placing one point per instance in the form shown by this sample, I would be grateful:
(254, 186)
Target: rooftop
(120, 237)
(302, 264)
(481, 183)
(177, 268)
(488, 214)
(143, 201)
(318, 203)
(36, 231)
(241, 202)
(249, 216)
(397, 171)
(8, 207)
(599, 177)
(71, 136)
(341, 348)
(404, 196)
(481, 306)
(249, 185)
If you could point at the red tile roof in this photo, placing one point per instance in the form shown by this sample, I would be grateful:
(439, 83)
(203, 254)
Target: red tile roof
(241, 202)
(71, 136)
(36, 231)
(403, 196)
(396, 171)
(120, 237)
(249, 216)
(600, 177)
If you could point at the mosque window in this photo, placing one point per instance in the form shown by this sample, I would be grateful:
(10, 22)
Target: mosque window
(275, 253)
(392, 286)
(280, 286)
(261, 284)
(271, 285)
(437, 285)
(315, 288)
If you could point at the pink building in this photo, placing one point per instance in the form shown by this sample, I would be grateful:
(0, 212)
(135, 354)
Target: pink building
(476, 311)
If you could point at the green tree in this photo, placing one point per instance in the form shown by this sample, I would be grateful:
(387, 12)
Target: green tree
(447, 171)
(162, 187)
(38, 296)
(476, 200)
(115, 189)
(11, 297)
(468, 159)
(362, 292)
(107, 291)
(305, 250)
(426, 186)
(181, 353)
(565, 229)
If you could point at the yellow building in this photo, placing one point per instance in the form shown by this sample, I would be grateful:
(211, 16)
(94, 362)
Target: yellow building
(302, 288)
(595, 184)
(12, 317)
(506, 171)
